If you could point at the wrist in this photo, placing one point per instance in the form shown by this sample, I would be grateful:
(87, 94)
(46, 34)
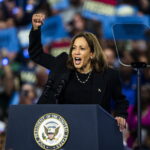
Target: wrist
(35, 28)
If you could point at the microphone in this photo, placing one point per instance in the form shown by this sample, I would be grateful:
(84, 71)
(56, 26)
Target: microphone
(47, 87)
(44, 97)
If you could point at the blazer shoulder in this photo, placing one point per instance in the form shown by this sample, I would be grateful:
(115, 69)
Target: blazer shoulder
(111, 71)
(62, 58)
(62, 55)
(112, 74)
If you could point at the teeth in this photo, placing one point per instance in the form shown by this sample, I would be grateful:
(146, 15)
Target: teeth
(77, 58)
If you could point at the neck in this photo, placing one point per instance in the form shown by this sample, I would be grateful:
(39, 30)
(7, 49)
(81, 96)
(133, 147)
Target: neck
(85, 69)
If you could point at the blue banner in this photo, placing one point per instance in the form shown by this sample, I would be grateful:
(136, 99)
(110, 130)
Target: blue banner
(130, 31)
(53, 29)
(127, 27)
(59, 4)
(9, 40)
(107, 22)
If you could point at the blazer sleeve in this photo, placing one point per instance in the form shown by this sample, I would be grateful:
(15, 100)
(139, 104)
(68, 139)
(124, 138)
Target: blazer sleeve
(121, 104)
(36, 50)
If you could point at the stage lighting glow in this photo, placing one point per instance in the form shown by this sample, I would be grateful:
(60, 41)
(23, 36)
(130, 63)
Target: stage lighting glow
(25, 53)
(5, 61)
(29, 7)
(15, 10)
(48, 71)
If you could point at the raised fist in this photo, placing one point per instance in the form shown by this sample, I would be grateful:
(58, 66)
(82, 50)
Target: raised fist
(37, 20)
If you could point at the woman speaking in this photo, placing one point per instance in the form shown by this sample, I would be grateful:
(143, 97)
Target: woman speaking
(82, 77)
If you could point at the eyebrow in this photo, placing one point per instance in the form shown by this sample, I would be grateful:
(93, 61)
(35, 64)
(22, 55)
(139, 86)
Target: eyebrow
(79, 45)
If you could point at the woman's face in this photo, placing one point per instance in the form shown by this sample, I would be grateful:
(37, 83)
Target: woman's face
(81, 55)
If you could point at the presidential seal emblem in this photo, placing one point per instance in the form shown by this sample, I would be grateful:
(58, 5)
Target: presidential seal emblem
(51, 131)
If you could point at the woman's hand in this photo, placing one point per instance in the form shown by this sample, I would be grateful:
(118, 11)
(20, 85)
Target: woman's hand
(37, 20)
(121, 123)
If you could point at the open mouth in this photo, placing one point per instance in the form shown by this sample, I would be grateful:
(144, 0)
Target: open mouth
(77, 60)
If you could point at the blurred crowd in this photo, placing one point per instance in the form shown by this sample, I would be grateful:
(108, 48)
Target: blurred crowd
(22, 81)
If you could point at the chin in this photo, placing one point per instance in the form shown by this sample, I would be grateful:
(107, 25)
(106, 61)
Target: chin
(77, 67)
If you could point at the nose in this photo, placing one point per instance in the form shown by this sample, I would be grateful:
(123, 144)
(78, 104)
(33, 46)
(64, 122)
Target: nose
(77, 51)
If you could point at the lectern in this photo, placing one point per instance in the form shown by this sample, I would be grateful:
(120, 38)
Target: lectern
(90, 127)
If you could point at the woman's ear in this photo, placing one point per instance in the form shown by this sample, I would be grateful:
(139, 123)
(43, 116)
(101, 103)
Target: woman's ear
(92, 55)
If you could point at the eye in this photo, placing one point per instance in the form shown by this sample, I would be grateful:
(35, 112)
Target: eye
(82, 48)
(73, 48)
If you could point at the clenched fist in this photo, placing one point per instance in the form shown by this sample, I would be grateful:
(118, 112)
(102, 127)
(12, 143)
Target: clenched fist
(37, 20)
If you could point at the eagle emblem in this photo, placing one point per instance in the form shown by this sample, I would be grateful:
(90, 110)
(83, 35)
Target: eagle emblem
(51, 131)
